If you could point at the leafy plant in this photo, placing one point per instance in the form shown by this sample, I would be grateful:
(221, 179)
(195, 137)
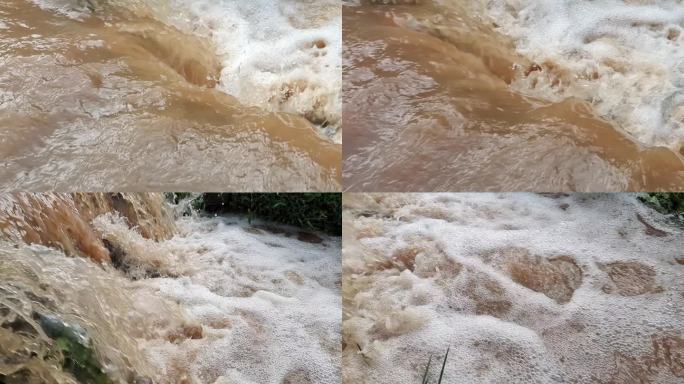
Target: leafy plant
(666, 203)
(672, 203)
(313, 211)
(79, 359)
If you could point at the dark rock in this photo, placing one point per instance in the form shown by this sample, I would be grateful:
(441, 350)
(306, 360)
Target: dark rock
(309, 237)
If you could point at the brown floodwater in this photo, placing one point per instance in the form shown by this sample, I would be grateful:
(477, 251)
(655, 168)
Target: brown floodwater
(116, 100)
(42, 289)
(129, 288)
(429, 106)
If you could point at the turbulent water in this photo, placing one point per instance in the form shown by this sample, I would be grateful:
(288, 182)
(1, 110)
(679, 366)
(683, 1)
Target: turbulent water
(149, 95)
(172, 300)
(524, 288)
(513, 95)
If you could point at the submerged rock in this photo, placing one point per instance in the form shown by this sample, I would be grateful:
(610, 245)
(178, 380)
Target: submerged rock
(55, 328)
(79, 356)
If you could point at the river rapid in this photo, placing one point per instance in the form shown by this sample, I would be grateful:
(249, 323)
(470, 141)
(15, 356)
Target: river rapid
(158, 95)
(156, 293)
(511, 95)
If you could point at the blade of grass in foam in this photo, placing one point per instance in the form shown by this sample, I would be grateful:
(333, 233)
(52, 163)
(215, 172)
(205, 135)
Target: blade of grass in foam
(441, 374)
(427, 369)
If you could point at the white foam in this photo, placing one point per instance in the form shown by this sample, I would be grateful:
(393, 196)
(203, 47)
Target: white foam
(460, 292)
(283, 55)
(254, 294)
(617, 53)
(269, 305)
(70, 8)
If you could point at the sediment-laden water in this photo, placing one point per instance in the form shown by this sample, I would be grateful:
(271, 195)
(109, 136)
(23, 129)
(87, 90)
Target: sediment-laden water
(523, 288)
(158, 95)
(122, 289)
(513, 95)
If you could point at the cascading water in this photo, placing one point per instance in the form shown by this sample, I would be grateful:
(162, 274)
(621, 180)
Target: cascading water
(116, 288)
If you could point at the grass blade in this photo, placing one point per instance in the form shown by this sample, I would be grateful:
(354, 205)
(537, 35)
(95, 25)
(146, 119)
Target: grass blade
(427, 369)
(441, 374)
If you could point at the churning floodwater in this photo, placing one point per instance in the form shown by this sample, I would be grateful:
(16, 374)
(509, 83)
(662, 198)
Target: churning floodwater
(158, 294)
(158, 95)
(509, 95)
(523, 288)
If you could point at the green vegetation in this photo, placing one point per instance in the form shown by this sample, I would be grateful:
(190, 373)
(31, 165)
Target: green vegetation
(79, 356)
(80, 360)
(441, 373)
(669, 203)
(666, 203)
(312, 211)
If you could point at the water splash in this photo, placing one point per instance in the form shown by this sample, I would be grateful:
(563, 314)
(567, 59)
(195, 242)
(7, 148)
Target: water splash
(166, 298)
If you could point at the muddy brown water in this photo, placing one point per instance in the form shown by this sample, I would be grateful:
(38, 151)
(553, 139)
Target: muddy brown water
(40, 280)
(63, 221)
(428, 107)
(92, 269)
(119, 101)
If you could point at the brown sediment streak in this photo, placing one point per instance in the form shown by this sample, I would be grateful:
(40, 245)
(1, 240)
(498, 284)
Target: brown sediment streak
(667, 355)
(557, 277)
(650, 229)
(630, 279)
(217, 113)
(430, 86)
(189, 56)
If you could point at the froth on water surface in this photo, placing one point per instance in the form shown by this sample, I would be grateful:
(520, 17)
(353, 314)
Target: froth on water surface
(524, 288)
(121, 288)
(120, 95)
(512, 95)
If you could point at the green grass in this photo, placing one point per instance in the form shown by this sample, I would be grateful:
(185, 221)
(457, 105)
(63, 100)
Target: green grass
(312, 211)
(670, 203)
(666, 203)
(426, 379)
(427, 370)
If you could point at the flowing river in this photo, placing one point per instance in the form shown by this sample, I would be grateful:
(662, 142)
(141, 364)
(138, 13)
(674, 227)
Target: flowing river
(122, 288)
(444, 95)
(175, 94)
